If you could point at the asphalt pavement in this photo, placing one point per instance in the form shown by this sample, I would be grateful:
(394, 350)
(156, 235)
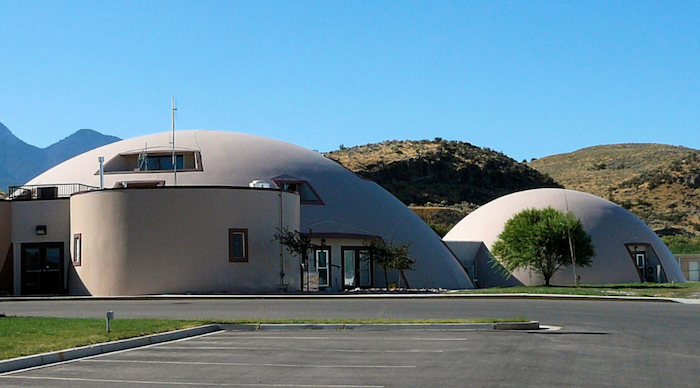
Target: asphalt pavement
(600, 343)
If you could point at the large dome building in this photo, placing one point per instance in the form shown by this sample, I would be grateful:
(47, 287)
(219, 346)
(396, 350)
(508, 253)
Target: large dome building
(206, 223)
(627, 250)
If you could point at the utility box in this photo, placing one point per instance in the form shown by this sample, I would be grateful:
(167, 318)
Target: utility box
(310, 281)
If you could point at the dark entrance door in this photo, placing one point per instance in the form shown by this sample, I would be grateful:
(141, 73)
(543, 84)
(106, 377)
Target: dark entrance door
(42, 268)
(357, 267)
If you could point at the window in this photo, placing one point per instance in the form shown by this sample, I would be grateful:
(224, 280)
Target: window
(290, 186)
(77, 249)
(307, 194)
(153, 160)
(640, 260)
(161, 163)
(238, 245)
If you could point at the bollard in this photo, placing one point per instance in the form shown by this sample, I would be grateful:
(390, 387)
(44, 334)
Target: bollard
(110, 316)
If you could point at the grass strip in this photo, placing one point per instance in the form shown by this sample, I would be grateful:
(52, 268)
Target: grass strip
(23, 336)
(662, 290)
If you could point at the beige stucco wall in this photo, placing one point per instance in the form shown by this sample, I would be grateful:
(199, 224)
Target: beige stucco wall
(5, 233)
(175, 240)
(26, 215)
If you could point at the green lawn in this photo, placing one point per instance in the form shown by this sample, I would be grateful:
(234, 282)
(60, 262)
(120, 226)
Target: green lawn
(21, 336)
(666, 290)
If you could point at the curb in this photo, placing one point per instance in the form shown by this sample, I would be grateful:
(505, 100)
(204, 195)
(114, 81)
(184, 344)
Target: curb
(93, 350)
(617, 298)
(532, 325)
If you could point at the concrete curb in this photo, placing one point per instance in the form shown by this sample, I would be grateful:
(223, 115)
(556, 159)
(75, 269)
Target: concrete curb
(359, 296)
(532, 325)
(92, 350)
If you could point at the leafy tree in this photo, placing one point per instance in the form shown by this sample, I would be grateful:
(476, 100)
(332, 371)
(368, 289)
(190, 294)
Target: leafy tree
(391, 255)
(542, 239)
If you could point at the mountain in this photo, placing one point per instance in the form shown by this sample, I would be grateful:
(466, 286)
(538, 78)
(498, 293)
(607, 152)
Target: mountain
(75, 144)
(658, 183)
(20, 162)
(441, 180)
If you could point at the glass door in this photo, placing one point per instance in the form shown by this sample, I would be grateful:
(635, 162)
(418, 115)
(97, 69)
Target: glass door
(42, 268)
(322, 258)
(349, 269)
(357, 267)
(641, 265)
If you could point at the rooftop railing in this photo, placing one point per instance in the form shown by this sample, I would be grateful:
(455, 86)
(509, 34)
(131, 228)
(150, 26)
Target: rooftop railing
(29, 192)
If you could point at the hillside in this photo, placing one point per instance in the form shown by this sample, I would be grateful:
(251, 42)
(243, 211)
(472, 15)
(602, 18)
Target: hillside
(20, 162)
(659, 183)
(438, 171)
(441, 180)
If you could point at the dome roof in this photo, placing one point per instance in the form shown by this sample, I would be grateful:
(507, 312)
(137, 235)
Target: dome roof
(338, 200)
(613, 230)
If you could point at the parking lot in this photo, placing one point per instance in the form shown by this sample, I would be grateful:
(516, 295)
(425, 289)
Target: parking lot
(374, 359)
(614, 344)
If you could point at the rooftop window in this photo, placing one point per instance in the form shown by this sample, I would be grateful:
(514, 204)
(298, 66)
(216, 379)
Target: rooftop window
(307, 194)
(153, 161)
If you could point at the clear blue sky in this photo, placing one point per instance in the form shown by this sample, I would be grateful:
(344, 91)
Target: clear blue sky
(528, 78)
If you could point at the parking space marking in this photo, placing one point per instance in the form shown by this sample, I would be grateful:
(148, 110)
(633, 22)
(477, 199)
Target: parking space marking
(303, 349)
(198, 384)
(156, 345)
(254, 364)
(355, 338)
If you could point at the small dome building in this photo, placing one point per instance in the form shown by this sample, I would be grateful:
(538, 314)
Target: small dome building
(627, 250)
(202, 218)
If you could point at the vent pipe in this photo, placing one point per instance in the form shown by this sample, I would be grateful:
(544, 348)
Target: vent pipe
(101, 159)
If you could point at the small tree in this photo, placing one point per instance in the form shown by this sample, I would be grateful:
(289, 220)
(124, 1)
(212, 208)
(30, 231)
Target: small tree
(401, 260)
(296, 243)
(391, 255)
(381, 254)
(542, 239)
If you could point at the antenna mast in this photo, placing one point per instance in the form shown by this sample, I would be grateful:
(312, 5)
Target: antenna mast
(173, 141)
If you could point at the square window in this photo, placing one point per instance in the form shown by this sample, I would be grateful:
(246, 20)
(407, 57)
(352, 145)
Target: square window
(238, 245)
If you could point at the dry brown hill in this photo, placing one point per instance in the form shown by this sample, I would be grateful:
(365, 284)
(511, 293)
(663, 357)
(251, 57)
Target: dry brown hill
(439, 171)
(659, 183)
(441, 180)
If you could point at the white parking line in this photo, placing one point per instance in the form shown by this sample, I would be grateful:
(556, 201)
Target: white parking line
(197, 384)
(104, 354)
(252, 364)
(352, 338)
(165, 348)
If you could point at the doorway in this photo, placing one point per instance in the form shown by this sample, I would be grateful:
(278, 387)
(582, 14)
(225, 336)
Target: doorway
(357, 267)
(42, 268)
(322, 256)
